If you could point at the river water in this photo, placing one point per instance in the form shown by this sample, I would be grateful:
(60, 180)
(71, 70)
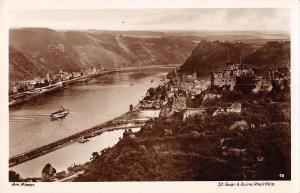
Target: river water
(75, 153)
(103, 98)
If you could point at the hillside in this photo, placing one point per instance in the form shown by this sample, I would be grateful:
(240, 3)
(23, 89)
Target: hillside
(20, 67)
(35, 51)
(272, 54)
(213, 55)
(203, 147)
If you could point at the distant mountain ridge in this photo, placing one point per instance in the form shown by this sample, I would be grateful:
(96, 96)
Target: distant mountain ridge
(37, 51)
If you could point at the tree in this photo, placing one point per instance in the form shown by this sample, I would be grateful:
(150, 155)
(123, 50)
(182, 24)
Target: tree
(46, 83)
(151, 92)
(21, 89)
(94, 155)
(14, 176)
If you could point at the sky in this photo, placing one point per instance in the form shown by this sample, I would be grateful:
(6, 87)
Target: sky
(205, 19)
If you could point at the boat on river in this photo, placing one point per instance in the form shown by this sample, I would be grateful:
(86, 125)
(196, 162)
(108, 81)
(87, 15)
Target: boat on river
(83, 140)
(60, 114)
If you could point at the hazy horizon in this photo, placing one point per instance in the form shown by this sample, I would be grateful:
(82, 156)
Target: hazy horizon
(141, 30)
(156, 20)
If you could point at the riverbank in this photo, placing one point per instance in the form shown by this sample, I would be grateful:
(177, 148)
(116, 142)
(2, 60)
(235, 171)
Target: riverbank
(252, 145)
(99, 137)
(203, 138)
(24, 97)
(125, 121)
(134, 119)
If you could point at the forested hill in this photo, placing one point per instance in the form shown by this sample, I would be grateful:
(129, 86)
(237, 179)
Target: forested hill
(212, 55)
(35, 51)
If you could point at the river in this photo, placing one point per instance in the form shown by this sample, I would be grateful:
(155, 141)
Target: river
(75, 153)
(103, 98)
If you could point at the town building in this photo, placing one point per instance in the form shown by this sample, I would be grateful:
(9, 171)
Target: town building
(228, 77)
(146, 104)
(234, 108)
(175, 80)
(64, 75)
(179, 102)
(37, 79)
(240, 125)
(264, 80)
(189, 112)
(201, 85)
(90, 71)
(211, 95)
(239, 69)
(13, 88)
(76, 74)
(222, 80)
(31, 85)
(55, 77)
(189, 78)
(262, 85)
(195, 86)
(48, 77)
(170, 94)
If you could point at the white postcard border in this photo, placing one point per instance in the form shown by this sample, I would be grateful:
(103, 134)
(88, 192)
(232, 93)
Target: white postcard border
(80, 187)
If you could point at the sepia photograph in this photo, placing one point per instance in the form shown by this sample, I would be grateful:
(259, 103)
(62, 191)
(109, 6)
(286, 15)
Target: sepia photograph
(149, 95)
